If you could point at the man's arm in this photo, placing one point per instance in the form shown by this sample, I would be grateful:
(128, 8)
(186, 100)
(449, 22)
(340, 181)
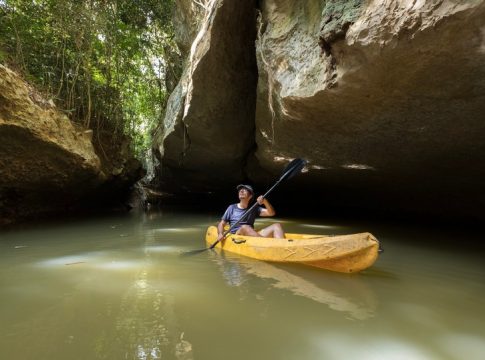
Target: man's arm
(268, 208)
(220, 229)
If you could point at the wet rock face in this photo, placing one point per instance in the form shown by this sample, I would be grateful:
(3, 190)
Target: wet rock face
(47, 164)
(208, 129)
(384, 98)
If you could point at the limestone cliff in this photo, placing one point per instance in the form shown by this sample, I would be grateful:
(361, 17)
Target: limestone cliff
(47, 164)
(385, 98)
(208, 130)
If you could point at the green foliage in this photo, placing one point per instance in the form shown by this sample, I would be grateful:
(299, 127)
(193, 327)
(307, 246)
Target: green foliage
(104, 62)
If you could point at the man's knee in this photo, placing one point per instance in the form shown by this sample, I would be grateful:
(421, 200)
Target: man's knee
(276, 227)
(278, 231)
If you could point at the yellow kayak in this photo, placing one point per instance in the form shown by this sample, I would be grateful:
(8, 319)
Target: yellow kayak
(342, 253)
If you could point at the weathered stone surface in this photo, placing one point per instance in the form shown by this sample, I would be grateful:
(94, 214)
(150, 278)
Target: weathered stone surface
(187, 17)
(208, 129)
(47, 164)
(384, 98)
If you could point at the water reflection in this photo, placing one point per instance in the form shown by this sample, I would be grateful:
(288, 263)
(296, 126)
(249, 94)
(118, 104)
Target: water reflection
(334, 345)
(236, 271)
(83, 291)
(104, 260)
(148, 327)
(129, 294)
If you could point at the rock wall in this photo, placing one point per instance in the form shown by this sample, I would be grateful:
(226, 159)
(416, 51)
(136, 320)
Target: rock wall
(385, 98)
(47, 164)
(208, 129)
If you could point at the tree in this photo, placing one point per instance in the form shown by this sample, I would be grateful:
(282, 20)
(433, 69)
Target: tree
(103, 62)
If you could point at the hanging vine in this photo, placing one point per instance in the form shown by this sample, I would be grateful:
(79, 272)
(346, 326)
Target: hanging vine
(104, 63)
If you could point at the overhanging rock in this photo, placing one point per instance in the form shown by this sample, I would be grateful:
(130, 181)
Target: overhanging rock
(384, 98)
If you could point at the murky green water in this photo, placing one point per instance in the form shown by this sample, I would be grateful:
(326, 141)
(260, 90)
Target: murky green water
(117, 288)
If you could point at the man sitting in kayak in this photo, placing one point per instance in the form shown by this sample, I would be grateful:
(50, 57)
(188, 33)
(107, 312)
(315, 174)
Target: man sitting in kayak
(246, 227)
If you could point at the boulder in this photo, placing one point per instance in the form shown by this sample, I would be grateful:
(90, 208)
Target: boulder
(47, 163)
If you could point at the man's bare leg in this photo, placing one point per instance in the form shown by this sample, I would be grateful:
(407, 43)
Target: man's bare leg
(247, 231)
(274, 231)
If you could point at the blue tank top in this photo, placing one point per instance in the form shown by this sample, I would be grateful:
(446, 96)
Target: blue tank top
(234, 213)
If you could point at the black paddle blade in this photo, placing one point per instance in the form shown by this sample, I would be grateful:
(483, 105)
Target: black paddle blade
(193, 252)
(293, 168)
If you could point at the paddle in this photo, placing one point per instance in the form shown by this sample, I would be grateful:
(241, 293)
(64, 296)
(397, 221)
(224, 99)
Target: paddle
(293, 168)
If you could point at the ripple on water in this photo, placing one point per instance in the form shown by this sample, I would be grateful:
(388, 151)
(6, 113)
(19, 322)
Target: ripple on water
(177, 230)
(163, 249)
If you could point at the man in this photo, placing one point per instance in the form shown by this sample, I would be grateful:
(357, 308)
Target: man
(246, 227)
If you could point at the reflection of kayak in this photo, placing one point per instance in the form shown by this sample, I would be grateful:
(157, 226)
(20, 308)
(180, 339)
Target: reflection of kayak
(343, 253)
(344, 294)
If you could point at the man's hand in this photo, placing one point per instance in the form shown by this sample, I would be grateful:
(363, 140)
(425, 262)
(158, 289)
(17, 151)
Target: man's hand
(268, 209)
(220, 237)
(220, 230)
